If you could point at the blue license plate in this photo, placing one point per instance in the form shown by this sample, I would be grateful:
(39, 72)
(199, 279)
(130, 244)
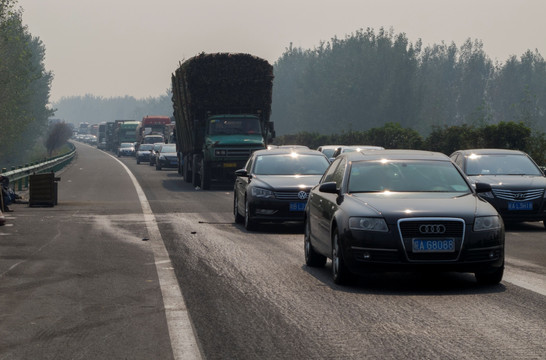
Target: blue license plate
(436, 245)
(520, 205)
(297, 206)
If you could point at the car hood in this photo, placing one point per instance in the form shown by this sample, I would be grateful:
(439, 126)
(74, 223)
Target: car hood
(407, 205)
(511, 181)
(168, 154)
(286, 182)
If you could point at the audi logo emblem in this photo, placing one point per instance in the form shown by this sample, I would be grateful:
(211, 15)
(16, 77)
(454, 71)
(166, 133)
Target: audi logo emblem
(432, 229)
(302, 195)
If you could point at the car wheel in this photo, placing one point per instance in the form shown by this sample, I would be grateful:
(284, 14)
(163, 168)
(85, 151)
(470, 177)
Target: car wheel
(340, 274)
(238, 218)
(490, 277)
(249, 223)
(312, 258)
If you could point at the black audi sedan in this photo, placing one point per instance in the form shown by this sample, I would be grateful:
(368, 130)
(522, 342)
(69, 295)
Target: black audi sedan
(402, 210)
(518, 185)
(274, 185)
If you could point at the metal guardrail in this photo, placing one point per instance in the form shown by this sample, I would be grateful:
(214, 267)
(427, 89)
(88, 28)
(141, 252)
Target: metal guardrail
(20, 177)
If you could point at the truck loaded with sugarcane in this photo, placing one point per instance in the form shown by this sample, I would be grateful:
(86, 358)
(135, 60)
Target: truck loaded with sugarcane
(222, 104)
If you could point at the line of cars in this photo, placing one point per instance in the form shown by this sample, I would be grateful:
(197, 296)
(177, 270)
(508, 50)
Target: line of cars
(394, 210)
(161, 155)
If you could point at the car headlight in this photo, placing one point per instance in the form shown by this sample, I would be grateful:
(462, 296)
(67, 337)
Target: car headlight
(484, 223)
(262, 193)
(368, 224)
(162, 157)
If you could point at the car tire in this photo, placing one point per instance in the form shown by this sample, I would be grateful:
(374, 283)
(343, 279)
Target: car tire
(340, 274)
(490, 277)
(249, 222)
(312, 258)
(239, 219)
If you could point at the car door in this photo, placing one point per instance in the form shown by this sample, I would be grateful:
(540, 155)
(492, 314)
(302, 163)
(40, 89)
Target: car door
(328, 205)
(241, 183)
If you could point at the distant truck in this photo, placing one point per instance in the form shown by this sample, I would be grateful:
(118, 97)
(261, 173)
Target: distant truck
(101, 136)
(125, 131)
(222, 104)
(154, 125)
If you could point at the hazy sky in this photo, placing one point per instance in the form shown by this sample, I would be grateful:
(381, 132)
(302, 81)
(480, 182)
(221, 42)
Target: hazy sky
(130, 47)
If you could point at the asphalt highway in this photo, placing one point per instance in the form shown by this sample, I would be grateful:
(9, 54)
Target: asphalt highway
(92, 278)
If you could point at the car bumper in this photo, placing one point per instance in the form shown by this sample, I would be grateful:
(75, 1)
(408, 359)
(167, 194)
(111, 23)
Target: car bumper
(387, 252)
(277, 210)
(169, 162)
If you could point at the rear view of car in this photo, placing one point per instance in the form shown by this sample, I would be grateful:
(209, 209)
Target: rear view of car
(518, 185)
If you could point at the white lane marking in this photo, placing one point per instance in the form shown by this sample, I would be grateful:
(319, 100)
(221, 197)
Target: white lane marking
(529, 280)
(181, 332)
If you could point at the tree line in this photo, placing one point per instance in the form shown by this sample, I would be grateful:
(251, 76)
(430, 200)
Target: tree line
(444, 139)
(24, 86)
(368, 79)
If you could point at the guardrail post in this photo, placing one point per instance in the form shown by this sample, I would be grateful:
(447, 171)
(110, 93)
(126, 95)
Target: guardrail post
(20, 181)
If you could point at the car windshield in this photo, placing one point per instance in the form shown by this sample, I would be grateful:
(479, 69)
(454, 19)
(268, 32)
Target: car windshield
(146, 147)
(126, 145)
(234, 126)
(328, 152)
(290, 164)
(168, 149)
(406, 176)
(500, 165)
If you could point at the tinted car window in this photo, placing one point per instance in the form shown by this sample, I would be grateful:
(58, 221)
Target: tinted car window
(406, 176)
(338, 174)
(500, 165)
(328, 176)
(290, 164)
(168, 148)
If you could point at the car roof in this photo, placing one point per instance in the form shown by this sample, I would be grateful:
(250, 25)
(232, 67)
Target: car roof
(490, 152)
(282, 151)
(395, 154)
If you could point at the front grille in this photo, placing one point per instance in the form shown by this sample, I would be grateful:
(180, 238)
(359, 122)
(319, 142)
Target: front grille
(431, 229)
(411, 228)
(235, 152)
(518, 195)
(289, 195)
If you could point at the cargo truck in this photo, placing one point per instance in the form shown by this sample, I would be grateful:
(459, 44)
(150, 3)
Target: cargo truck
(154, 125)
(222, 104)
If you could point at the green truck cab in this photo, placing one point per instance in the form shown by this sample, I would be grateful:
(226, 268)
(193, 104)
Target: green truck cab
(221, 104)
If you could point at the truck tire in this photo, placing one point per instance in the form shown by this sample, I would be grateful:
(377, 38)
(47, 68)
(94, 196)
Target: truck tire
(205, 175)
(186, 173)
(194, 177)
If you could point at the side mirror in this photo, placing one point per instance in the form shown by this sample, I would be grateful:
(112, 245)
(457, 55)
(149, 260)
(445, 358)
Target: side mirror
(482, 187)
(241, 173)
(329, 187)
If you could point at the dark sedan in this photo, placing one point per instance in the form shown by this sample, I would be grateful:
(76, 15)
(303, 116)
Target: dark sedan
(166, 157)
(274, 185)
(518, 184)
(402, 210)
(144, 153)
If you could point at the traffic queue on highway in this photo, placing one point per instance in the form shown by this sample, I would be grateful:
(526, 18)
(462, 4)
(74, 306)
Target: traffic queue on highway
(370, 209)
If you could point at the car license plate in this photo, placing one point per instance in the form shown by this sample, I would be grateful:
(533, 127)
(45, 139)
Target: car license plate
(520, 205)
(230, 165)
(436, 245)
(297, 206)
